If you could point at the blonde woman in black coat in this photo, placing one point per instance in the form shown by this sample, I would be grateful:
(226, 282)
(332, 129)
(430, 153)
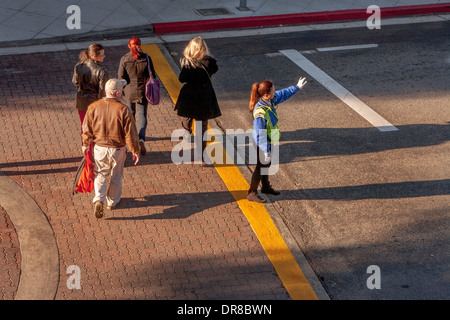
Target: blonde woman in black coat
(197, 99)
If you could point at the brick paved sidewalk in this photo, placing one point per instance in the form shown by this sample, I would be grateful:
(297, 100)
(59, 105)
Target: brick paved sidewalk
(178, 233)
(9, 258)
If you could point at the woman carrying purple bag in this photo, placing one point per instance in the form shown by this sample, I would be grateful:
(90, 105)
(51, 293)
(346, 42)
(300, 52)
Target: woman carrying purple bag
(134, 68)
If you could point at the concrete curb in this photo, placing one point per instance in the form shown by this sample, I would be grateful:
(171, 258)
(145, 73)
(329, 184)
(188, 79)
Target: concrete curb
(292, 19)
(39, 276)
(230, 24)
(91, 36)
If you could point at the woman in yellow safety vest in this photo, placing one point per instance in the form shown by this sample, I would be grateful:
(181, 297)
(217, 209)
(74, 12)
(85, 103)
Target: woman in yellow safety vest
(263, 102)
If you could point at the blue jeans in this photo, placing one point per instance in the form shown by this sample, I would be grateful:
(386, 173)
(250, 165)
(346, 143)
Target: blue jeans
(141, 117)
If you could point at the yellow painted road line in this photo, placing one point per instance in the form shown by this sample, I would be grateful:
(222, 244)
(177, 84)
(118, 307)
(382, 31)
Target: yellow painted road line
(268, 235)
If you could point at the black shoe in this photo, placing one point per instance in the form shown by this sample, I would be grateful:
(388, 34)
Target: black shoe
(268, 189)
(142, 145)
(254, 196)
(206, 165)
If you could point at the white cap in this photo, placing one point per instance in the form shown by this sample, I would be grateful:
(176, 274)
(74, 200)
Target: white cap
(113, 85)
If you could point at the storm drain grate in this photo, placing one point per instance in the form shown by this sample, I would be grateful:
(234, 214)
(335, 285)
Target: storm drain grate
(213, 11)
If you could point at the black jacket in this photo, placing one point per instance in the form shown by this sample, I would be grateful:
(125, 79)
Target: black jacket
(197, 98)
(90, 79)
(135, 72)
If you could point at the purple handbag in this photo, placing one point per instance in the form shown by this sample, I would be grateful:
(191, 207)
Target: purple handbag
(152, 87)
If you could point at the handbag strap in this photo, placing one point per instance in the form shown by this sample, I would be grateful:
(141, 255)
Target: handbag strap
(204, 68)
(148, 66)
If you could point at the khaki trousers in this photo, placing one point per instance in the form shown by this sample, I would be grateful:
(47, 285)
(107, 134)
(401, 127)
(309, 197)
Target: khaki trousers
(108, 163)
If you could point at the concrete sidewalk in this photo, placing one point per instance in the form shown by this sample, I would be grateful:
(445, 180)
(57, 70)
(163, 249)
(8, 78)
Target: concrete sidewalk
(39, 21)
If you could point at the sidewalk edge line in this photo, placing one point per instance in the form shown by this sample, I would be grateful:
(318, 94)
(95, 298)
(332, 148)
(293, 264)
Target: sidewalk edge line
(39, 277)
(230, 33)
(292, 19)
(286, 233)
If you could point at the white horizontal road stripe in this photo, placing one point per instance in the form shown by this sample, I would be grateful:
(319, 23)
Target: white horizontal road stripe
(339, 91)
(359, 46)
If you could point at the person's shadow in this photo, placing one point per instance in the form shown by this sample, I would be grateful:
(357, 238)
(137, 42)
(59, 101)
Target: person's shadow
(321, 142)
(178, 205)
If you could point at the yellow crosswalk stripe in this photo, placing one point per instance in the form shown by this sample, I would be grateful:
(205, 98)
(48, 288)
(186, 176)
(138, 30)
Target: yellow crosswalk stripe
(262, 224)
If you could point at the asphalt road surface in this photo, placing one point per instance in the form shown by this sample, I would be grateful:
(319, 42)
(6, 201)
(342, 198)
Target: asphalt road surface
(353, 195)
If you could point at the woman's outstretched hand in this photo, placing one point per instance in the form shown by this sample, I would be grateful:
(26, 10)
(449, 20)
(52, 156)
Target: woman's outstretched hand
(301, 82)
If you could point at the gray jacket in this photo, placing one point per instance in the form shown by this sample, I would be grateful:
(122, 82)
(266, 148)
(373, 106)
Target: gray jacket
(136, 73)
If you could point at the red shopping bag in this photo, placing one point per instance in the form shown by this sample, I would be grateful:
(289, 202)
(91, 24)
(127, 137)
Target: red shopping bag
(84, 180)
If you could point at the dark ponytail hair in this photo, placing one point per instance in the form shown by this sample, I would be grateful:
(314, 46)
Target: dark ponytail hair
(93, 50)
(258, 90)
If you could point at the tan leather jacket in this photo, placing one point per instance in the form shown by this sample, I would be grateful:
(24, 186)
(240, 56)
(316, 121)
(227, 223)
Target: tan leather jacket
(110, 123)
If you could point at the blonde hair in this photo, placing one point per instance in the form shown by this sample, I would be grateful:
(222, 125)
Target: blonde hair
(194, 51)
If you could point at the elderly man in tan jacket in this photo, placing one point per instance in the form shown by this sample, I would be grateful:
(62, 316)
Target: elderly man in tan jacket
(110, 125)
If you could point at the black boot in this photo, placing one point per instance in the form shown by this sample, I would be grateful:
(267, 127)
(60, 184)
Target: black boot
(270, 190)
(267, 188)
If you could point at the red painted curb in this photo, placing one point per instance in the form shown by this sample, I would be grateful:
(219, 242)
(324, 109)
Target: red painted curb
(292, 19)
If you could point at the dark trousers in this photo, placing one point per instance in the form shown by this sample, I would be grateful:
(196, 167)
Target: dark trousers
(257, 177)
(186, 123)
